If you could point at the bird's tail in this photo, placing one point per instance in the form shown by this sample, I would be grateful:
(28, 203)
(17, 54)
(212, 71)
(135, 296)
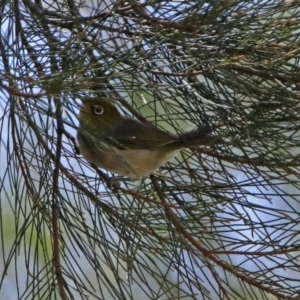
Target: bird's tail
(198, 137)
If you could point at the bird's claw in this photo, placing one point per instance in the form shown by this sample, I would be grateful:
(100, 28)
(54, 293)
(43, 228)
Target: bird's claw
(113, 183)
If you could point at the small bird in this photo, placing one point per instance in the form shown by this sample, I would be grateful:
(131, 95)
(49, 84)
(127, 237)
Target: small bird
(126, 146)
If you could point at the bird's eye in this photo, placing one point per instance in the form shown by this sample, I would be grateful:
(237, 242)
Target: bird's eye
(98, 110)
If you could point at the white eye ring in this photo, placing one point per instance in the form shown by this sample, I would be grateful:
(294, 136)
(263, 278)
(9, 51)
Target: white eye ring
(98, 110)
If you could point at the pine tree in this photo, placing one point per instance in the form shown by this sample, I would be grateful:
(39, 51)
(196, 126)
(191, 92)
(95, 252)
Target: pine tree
(215, 222)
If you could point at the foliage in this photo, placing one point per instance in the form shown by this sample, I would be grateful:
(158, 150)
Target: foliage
(219, 222)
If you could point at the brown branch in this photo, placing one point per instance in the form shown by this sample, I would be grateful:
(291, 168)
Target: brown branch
(265, 73)
(210, 255)
(16, 92)
(184, 25)
(62, 285)
(260, 253)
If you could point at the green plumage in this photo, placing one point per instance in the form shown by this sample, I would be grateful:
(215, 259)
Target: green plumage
(126, 146)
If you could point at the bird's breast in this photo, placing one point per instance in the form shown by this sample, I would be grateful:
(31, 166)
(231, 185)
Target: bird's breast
(132, 163)
(141, 162)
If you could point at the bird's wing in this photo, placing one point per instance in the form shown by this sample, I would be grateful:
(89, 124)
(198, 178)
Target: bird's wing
(132, 134)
